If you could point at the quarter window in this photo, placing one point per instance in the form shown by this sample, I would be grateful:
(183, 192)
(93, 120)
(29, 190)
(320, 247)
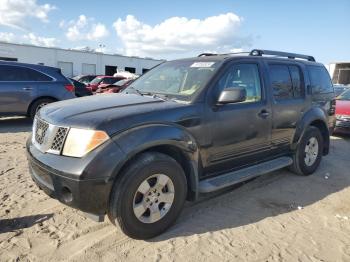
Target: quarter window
(320, 80)
(243, 76)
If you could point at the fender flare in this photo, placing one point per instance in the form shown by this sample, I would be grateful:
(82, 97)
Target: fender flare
(145, 137)
(314, 115)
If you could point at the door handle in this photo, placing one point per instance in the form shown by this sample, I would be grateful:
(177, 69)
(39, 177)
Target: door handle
(27, 88)
(264, 113)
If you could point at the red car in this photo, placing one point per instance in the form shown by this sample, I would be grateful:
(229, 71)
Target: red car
(100, 80)
(115, 87)
(342, 112)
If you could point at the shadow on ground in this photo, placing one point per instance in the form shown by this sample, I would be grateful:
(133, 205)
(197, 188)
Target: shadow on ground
(12, 224)
(15, 124)
(267, 196)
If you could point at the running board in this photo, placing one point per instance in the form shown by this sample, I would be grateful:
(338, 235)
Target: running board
(235, 177)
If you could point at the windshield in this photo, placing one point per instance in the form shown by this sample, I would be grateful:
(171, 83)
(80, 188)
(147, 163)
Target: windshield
(97, 80)
(344, 96)
(176, 78)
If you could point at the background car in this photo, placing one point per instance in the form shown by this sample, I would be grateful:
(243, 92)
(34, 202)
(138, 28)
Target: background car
(339, 89)
(85, 79)
(342, 113)
(99, 80)
(115, 87)
(80, 88)
(25, 88)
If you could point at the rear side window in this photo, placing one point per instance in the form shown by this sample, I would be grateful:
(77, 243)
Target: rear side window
(281, 82)
(19, 73)
(286, 82)
(320, 80)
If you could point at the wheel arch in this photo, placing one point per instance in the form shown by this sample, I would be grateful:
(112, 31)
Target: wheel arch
(166, 139)
(317, 118)
(37, 99)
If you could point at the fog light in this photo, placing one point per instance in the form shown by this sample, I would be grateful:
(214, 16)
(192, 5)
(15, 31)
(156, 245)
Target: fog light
(67, 195)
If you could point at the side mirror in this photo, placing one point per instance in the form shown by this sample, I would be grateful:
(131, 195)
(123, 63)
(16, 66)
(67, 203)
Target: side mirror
(232, 95)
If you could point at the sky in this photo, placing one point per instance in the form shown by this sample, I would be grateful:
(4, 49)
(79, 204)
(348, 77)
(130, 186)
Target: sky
(176, 29)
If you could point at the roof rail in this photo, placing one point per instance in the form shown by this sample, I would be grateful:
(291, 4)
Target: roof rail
(259, 52)
(207, 54)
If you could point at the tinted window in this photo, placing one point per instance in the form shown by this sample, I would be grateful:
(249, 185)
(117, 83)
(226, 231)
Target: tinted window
(320, 80)
(18, 73)
(244, 76)
(281, 82)
(296, 81)
(130, 69)
(108, 80)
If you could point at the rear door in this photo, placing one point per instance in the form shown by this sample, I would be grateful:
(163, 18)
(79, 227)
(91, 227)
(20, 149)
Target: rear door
(289, 102)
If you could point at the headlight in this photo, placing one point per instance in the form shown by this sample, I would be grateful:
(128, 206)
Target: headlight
(79, 142)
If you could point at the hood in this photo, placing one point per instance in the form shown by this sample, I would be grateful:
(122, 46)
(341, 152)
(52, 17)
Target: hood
(342, 107)
(108, 112)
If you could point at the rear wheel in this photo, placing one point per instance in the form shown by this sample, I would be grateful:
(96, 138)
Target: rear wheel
(37, 105)
(149, 196)
(308, 155)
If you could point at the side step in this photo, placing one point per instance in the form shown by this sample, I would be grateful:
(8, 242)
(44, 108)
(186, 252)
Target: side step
(235, 177)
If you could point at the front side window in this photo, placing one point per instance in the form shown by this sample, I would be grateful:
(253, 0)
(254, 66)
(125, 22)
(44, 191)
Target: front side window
(180, 79)
(320, 80)
(243, 76)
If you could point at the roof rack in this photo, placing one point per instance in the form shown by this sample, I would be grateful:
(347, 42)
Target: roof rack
(207, 54)
(259, 52)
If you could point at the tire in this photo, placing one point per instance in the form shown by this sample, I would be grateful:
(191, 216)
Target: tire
(37, 105)
(137, 184)
(303, 164)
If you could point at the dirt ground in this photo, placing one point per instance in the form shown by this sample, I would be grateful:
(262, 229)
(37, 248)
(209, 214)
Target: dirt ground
(277, 217)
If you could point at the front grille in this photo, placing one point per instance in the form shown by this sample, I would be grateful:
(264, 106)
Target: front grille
(40, 131)
(58, 140)
(48, 138)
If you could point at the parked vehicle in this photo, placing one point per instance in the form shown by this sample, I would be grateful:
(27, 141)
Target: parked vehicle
(80, 88)
(115, 87)
(339, 89)
(100, 80)
(342, 113)
(85, 79)
(25, 88)
(186, 127)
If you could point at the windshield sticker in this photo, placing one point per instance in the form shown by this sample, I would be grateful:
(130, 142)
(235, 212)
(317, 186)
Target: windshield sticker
(202, 64)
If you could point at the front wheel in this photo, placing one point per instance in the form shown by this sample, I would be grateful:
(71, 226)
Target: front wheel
(149, 196)
(308, 155)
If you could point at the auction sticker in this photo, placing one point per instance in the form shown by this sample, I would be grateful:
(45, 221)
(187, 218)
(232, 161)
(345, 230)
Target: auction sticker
(202, 64)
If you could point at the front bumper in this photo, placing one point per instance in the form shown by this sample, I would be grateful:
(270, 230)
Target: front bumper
(81, 183)
(342, 126)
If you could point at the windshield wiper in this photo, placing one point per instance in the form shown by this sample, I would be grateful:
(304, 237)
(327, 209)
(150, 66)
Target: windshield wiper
(155, 95)
(136, 91)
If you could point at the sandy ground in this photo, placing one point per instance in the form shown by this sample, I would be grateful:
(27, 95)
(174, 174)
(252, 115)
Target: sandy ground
(277, 217)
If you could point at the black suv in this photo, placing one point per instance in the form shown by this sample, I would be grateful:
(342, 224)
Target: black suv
(186, 127)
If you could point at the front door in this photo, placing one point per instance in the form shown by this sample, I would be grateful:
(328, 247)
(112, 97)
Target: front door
(240, 132)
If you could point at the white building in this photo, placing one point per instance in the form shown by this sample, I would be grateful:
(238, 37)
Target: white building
(75, 62)
(340, 72)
